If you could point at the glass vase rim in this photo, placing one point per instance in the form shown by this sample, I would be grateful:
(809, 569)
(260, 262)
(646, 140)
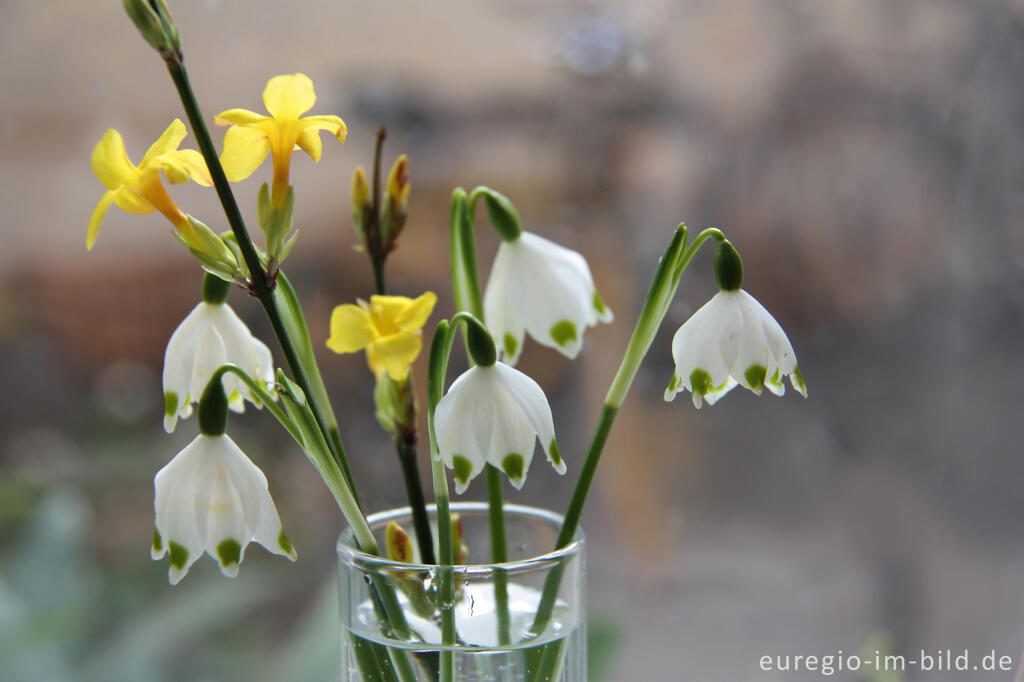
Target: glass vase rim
(348, 552)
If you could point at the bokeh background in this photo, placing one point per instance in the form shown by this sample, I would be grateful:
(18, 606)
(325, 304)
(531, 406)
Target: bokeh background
(866, 158)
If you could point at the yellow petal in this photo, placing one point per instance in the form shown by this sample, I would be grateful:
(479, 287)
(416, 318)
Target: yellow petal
(416, 313)
(334, 125)
(289, 96)
(110, 161)
(97, 217)
(196, 165)
(168, 142)
(244, 151)
(394, 354)
(388, 309)
(351, 330)
(309, 140)
(239, 117)
(130, 202)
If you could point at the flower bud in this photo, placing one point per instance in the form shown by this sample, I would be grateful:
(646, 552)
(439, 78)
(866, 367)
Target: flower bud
(213, 408)
(460, 551)
(154, 21)
(398, 544)
(396, 203)
(361, 205)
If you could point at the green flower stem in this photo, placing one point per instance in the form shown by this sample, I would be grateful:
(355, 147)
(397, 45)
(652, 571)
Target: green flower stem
(440, 350)
(268, 400)
(466, 289)
(262, 286)
(663, 288)
(405, 444)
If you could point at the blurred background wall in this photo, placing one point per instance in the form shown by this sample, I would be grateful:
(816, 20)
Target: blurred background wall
(866, 158)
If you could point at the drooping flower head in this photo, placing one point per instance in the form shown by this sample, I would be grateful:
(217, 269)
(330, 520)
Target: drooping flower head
(210, 336)
(731, 340)
(139, 189)
(252, 136)
(388, 327)
(494, 415)
(212, 498)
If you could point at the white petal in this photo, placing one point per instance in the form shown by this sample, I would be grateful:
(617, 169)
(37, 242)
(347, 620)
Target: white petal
(178, 361)
(777, 340)
(182, 488)
(531, 400)
(261, 517)
(500, 314)
(452, 425)
(210, 355)
(708, 341)
(244, 350)
(227, 521)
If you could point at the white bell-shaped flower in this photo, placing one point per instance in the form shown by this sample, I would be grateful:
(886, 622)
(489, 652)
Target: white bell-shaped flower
(210, 336)
(732, 340)
(545, 290)
(212, 498)
(492, 415)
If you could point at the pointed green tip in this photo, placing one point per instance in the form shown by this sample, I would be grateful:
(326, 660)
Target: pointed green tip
(556, 455)
(755, 376)
(229, 552)
(510, 345)
(158, 542)
(700, 381)
(285, 544)
(514, 466)
(599, 305)
(179, 555)
(563, 332)
(798, 380)
(170, 403)
(462, 467)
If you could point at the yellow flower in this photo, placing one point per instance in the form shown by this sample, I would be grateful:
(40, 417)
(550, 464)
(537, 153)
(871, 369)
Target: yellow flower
(138, 189)
(253, 136)
(388, 327)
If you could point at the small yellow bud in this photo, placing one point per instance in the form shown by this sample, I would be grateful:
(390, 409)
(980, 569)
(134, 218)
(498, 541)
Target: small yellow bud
(398, 544)
(361, 205)
(398, 182)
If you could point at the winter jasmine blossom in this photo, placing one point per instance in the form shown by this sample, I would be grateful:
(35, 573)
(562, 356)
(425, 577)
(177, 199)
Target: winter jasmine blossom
(252, 136)
(492, 415)
(731, 340)
(388, 327)
(210, 336)
(545, 290)
(138, 189)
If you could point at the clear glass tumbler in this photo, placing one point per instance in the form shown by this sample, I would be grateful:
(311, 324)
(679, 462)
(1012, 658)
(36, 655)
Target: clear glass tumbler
(522, 620)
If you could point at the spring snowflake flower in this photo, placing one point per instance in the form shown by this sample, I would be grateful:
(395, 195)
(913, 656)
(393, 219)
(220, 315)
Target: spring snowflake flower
(732, 340)
(209, 337)
(212, 498)
(492, 415)
(545, 290)
(388, 327)
(252, 136)
(138, 189)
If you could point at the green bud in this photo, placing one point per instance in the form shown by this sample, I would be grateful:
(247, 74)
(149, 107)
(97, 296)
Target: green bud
(728, 266)
(276, 221)
(215, 289)
(154, 21)
(213, 408)
(502, 214)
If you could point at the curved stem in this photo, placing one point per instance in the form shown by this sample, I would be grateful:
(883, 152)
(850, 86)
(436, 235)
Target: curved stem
(663, 288)
(268, 400)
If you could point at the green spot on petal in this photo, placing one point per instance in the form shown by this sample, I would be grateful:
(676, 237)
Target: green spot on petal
(755, 376)
(229, 552)
(158, 542)
(511, 345)
(170, 403)
(599, 305)
(556, 456)
(462, 467)
(179, 555)
(284, 543)
(562, 332)
(700, 382)
(514, 466)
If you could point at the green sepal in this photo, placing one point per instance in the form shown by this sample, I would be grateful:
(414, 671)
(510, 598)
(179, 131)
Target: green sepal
(215, 289)
(480, 343)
